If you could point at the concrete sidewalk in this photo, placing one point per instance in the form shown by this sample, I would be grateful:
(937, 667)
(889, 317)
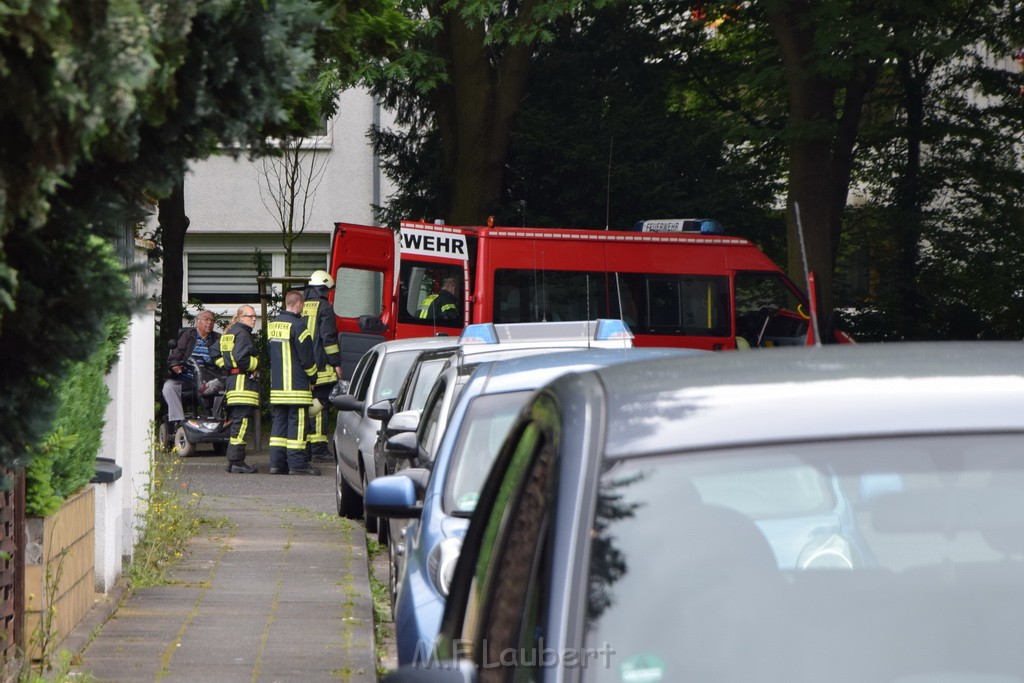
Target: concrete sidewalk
(275, 588)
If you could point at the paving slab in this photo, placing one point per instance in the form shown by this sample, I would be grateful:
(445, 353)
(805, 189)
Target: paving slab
(275, 588)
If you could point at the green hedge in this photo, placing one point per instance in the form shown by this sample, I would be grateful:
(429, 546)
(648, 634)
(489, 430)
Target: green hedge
(66, 459)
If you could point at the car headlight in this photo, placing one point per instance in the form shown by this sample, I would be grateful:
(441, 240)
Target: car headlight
(833, 553)
(441, 563)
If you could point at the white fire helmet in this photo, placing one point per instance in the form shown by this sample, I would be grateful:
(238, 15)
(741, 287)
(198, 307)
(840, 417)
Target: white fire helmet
(321, 277)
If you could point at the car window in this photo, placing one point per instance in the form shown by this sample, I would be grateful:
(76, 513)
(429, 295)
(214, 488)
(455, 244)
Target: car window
(430, 423)
(512, 623)
(909, 548)
(362, 381)
(482, 433)
(393, 370)
(358, 374)
(425, 377)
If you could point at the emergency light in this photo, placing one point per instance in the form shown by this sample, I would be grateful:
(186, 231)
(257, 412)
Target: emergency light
(702, 226)
(480, 333)
(612, 328)
(566, 331)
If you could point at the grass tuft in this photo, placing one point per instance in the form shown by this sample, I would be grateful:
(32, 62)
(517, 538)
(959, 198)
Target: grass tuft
(170, 519)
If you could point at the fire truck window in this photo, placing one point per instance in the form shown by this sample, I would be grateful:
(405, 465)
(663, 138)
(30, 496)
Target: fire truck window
(684, 305)
(549, 295)
(649, 303)
(358, 292)
(420, 280)
(755, 291)
(760, 297)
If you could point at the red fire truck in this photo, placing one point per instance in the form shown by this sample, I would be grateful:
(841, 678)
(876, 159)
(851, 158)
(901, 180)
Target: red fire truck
(674, 282)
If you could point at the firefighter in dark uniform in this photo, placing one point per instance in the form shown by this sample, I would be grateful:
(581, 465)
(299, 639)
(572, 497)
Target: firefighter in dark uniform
(238, 355)
(323, 328)
(444, 305)
(292, 369)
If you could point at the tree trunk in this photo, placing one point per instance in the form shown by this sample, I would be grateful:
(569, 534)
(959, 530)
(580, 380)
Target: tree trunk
(476, 112)
(909, 200)
(173, 225)
(821, 148)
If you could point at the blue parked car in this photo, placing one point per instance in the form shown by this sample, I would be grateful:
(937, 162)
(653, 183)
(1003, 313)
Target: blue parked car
(479, 421)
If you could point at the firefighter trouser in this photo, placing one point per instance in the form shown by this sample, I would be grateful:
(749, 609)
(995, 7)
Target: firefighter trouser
(288, 437)
(320, 423)
(241, 423)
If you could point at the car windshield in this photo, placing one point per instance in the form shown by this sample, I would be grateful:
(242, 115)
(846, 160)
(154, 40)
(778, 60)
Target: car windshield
(488, 419)
(392, 371)
(896, 559)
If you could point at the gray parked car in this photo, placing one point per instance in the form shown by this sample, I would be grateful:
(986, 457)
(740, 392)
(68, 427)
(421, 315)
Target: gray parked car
(637, 520)
(376, 378)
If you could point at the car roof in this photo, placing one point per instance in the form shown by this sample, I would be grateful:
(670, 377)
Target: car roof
(804, 394)
(488, 353)
(533, 371)
(602, 333)
(416, 344)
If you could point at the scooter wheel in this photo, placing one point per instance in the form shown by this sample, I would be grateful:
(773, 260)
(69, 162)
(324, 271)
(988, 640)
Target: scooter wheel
(182, 445)
(164, 437)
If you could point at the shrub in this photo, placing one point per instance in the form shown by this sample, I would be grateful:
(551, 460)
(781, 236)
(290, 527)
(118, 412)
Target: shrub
(65, 461)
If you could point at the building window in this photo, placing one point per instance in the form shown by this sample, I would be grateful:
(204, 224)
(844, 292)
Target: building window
(304, 263)
(222, 278)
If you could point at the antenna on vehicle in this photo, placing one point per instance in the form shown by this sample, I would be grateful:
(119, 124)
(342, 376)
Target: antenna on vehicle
(587, 276)
(807, 273)
(608, 187)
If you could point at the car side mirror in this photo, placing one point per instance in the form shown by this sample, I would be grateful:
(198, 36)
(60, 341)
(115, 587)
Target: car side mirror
(402, 446)
(380, 411)
(405, 421)
(393, 496)
(347, 402)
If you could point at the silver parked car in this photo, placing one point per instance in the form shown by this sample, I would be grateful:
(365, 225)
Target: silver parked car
(377, 377)
(639, 524)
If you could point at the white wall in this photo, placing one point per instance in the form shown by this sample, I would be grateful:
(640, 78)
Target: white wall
(226, 213)
(126, 439)
(222, 193)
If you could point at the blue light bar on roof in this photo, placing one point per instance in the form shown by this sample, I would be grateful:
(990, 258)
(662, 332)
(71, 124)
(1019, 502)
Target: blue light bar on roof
(612, 328)
(703, 226)
(479, 333)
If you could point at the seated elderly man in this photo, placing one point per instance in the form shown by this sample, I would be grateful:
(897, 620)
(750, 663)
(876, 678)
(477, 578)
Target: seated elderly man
(199, 342)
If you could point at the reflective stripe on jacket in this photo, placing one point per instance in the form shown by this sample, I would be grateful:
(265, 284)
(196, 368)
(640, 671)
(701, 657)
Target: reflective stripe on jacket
(291, 361)
(238, 354)
(323, 329)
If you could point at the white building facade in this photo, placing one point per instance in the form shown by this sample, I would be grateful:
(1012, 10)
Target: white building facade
(229, 221)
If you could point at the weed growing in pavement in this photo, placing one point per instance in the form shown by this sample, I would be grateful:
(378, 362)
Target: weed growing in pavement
(170, 519)
(381, 594)
(381, 600)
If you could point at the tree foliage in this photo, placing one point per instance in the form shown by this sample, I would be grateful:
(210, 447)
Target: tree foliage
(65, 460)
(350, 35)
(603, 139)
(854, 93)
(456, 89)
(288, 183)
(104, 103)
(941, 231)
(894, 126)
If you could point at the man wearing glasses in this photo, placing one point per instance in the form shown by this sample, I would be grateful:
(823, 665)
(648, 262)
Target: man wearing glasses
(238, 355)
